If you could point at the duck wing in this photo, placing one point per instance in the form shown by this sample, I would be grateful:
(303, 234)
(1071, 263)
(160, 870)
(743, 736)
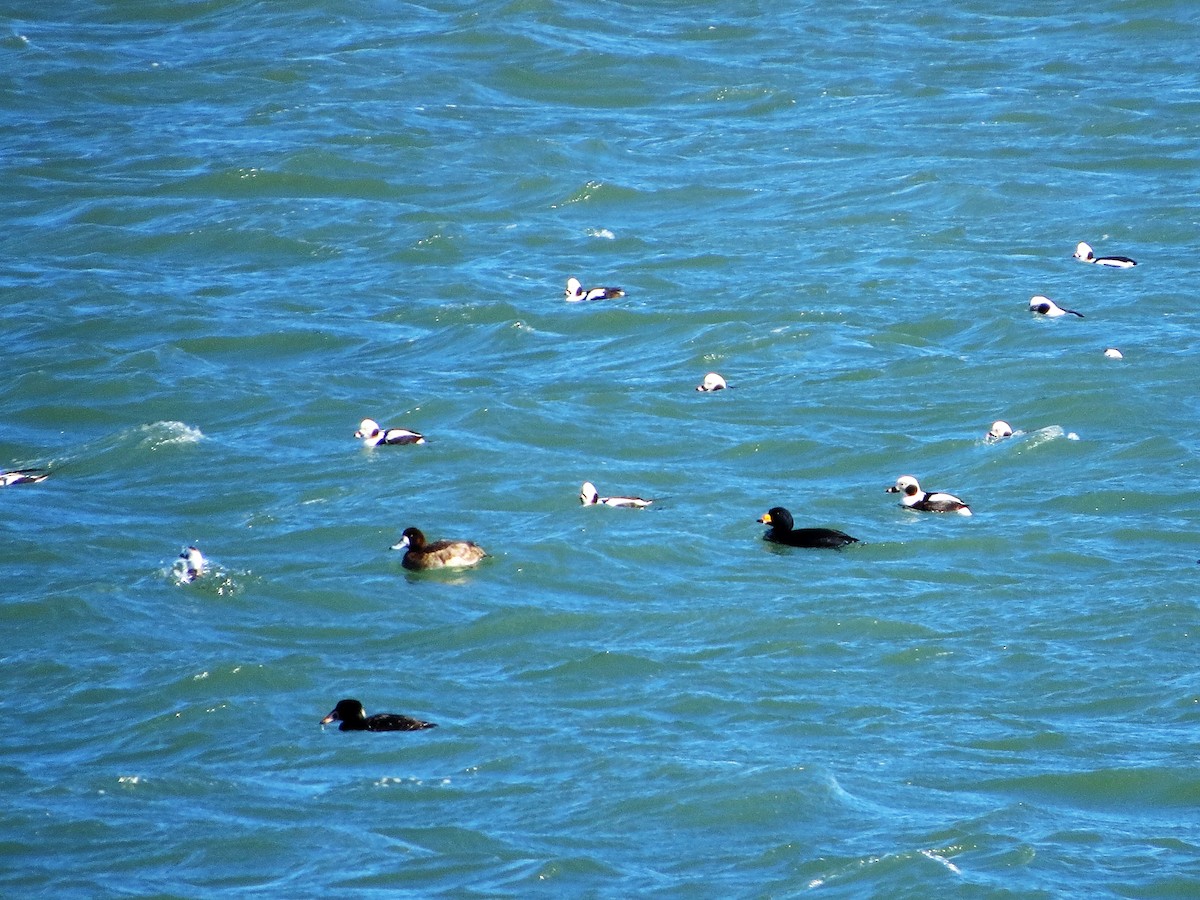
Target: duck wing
(395, 722)
(816, 538)
(937, 501)
(401, 436)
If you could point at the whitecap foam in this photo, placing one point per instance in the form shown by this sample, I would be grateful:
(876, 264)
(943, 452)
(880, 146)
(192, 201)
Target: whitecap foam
(163, 434)
(1035, 438)
(1050, 433)
(938, 858)
(216, 579)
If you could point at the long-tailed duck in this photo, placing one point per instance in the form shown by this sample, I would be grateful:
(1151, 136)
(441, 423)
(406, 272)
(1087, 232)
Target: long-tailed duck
(926, 501)
(1113, 353)
(576, 294)
(782, 532)
(354, 718)
(712, 382)
(1084, 253)
(1048, 308)
(190, 565)
(588, 497)
(372, 435)
(999, 430)
(22, 476)
(438, 555)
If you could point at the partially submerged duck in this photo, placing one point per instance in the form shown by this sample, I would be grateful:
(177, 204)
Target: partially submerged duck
(782, 532)
(712, 382)
(926, 501)
(588, 496)
(190, 565)
(439, 555)
(1048, 308)
(22, 476)
(372, 435)
(1083, 253)
(354, 718)
(576, 294)
(999, 430)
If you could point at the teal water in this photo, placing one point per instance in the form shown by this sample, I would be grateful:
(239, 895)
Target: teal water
(234, 229)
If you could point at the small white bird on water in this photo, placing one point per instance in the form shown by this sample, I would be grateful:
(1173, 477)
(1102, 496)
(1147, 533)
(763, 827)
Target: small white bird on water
(576, 294)
(588, 496)
(999, 430)
(712, 382)
(1048, 308)
(926, 501)
(372, 435)
(1083, 253)
(22, 476)
(190, 565)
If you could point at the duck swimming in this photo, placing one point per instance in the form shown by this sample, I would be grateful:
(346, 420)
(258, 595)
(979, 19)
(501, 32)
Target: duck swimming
(438, 555)
(372, 435)
(926, 501)
(782, 532)
(999, 430)
(190, 565)
(712, 382)
(1083, 253)
(1048, 308)
(576, 294)
(589, 497)
(22, 476)
(354, 718)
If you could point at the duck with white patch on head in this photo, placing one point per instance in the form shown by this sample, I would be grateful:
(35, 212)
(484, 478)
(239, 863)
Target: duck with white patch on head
(190, 565)
(589, 496)
(419, 554)
(1083, 253)
(576, 294)
(1046, 307)
(372, 435)
(22, 476)
(926, 501)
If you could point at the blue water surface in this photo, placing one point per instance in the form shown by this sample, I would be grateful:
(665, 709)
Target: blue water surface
(234, 229)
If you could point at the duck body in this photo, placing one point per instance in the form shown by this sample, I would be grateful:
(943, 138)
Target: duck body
(1083, 253)
(190, 564)
(576, 294)
(1048, 308)
(420, 554)
(372, 435)
(912, 497)
(712, 382)
(588, 496)
(783, 532)
(354, 718)
(22, 476)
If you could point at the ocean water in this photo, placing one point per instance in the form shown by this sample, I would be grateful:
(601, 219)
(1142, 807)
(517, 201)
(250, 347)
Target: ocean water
(234, 229)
